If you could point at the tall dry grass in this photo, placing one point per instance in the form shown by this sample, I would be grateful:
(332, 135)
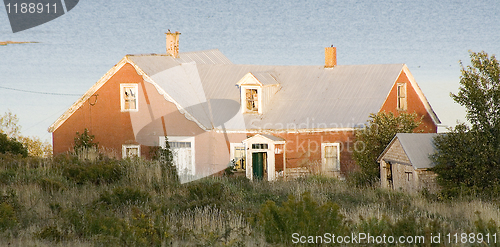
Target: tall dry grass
(66, 201)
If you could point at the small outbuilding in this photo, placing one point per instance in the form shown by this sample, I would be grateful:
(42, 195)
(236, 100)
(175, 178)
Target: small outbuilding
(405, 163)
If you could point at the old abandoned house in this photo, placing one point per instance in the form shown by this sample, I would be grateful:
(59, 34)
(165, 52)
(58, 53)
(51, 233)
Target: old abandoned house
(405, 162)
(272, 120)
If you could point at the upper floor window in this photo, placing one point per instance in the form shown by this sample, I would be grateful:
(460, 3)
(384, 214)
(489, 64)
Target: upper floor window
(252, 100)
(128, 97)
(402, 100)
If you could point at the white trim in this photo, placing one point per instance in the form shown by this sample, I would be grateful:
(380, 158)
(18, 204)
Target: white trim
(404, 106)
(323, 145)
(243, 99)
(122, 100)
(231, 151)
(124, 150)
(73, 108)
(182, 139)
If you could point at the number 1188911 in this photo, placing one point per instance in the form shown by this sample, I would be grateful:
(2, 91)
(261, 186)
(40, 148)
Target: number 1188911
(31, 8)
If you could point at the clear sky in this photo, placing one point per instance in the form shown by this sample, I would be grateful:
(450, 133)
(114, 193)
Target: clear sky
(79, 47)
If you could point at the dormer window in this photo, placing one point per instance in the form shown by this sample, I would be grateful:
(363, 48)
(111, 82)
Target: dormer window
(252, 100)
(128, 97)
(253, 86)
(402, 101)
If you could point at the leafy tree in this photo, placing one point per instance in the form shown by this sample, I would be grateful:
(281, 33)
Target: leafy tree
(84, 141)
(468, 158)
(9, 125)
(374, 138)
(12, 146)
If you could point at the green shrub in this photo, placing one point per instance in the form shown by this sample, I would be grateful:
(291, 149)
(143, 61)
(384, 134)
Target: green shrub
(124, 196)
(103, 171)
(50, 185)
(7, 176)
(304, 216)
(7, 216)
(50, 233)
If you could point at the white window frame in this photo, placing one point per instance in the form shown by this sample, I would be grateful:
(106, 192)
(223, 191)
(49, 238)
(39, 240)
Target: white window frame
(402, 106)
(323, 153)
(244, 99)
(126, 146)
(231, 152)
(122, 99)
(182, 139)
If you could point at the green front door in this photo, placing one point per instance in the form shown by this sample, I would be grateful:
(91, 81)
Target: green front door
(258, 165)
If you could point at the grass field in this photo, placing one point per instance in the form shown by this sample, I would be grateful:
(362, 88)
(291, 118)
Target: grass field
(66, 201)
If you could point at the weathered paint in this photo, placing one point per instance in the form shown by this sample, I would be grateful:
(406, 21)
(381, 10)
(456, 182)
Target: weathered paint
(414, 103)
(404, 176)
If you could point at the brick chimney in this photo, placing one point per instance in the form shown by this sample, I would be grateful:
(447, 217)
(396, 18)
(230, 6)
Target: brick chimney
(173, 43)
(330, 57)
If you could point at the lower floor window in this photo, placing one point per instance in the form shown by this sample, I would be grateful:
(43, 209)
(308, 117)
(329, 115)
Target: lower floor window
(129, 151)
(330, 154)
(238, 155)
(183, 153)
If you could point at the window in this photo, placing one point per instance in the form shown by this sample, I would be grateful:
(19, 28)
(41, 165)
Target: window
(252, 100)
(259, 146)
(401, 96)
(331, 157)
(409, 176)
(238, 154)
(128, 97)
(129, 151)
(183, 153)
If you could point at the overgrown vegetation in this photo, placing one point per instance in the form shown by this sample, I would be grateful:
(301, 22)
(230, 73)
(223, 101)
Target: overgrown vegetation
(69, 201)
(10, 136)
(468, 158)
(374, 138)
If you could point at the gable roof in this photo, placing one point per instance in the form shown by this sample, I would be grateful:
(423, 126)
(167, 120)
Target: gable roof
(203, 87)
(150, 65)
(417, 147)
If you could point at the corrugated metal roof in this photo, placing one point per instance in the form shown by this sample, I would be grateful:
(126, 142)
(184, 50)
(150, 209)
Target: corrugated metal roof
(266, 78)
(152, 64)
(418, 147)
(310, 97)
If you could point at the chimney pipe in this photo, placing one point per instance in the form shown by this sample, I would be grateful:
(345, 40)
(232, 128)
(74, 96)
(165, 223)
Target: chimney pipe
(330, 57)
(173, 44)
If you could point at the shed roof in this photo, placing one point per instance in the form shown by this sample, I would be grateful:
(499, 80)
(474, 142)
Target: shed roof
(417, 146)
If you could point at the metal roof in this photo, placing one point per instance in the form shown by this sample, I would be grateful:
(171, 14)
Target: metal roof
(418, 147)
(310, 97)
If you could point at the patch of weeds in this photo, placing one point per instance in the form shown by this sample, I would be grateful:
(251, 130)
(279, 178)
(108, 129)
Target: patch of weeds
(8, 218)
(50, 233)
(50, 185)
(124, 196)
(103, 171)
(7, 176)
(305, 216)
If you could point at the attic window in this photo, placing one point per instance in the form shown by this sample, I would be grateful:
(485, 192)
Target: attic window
(128, 96)
(252, 100)
(402, 97)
